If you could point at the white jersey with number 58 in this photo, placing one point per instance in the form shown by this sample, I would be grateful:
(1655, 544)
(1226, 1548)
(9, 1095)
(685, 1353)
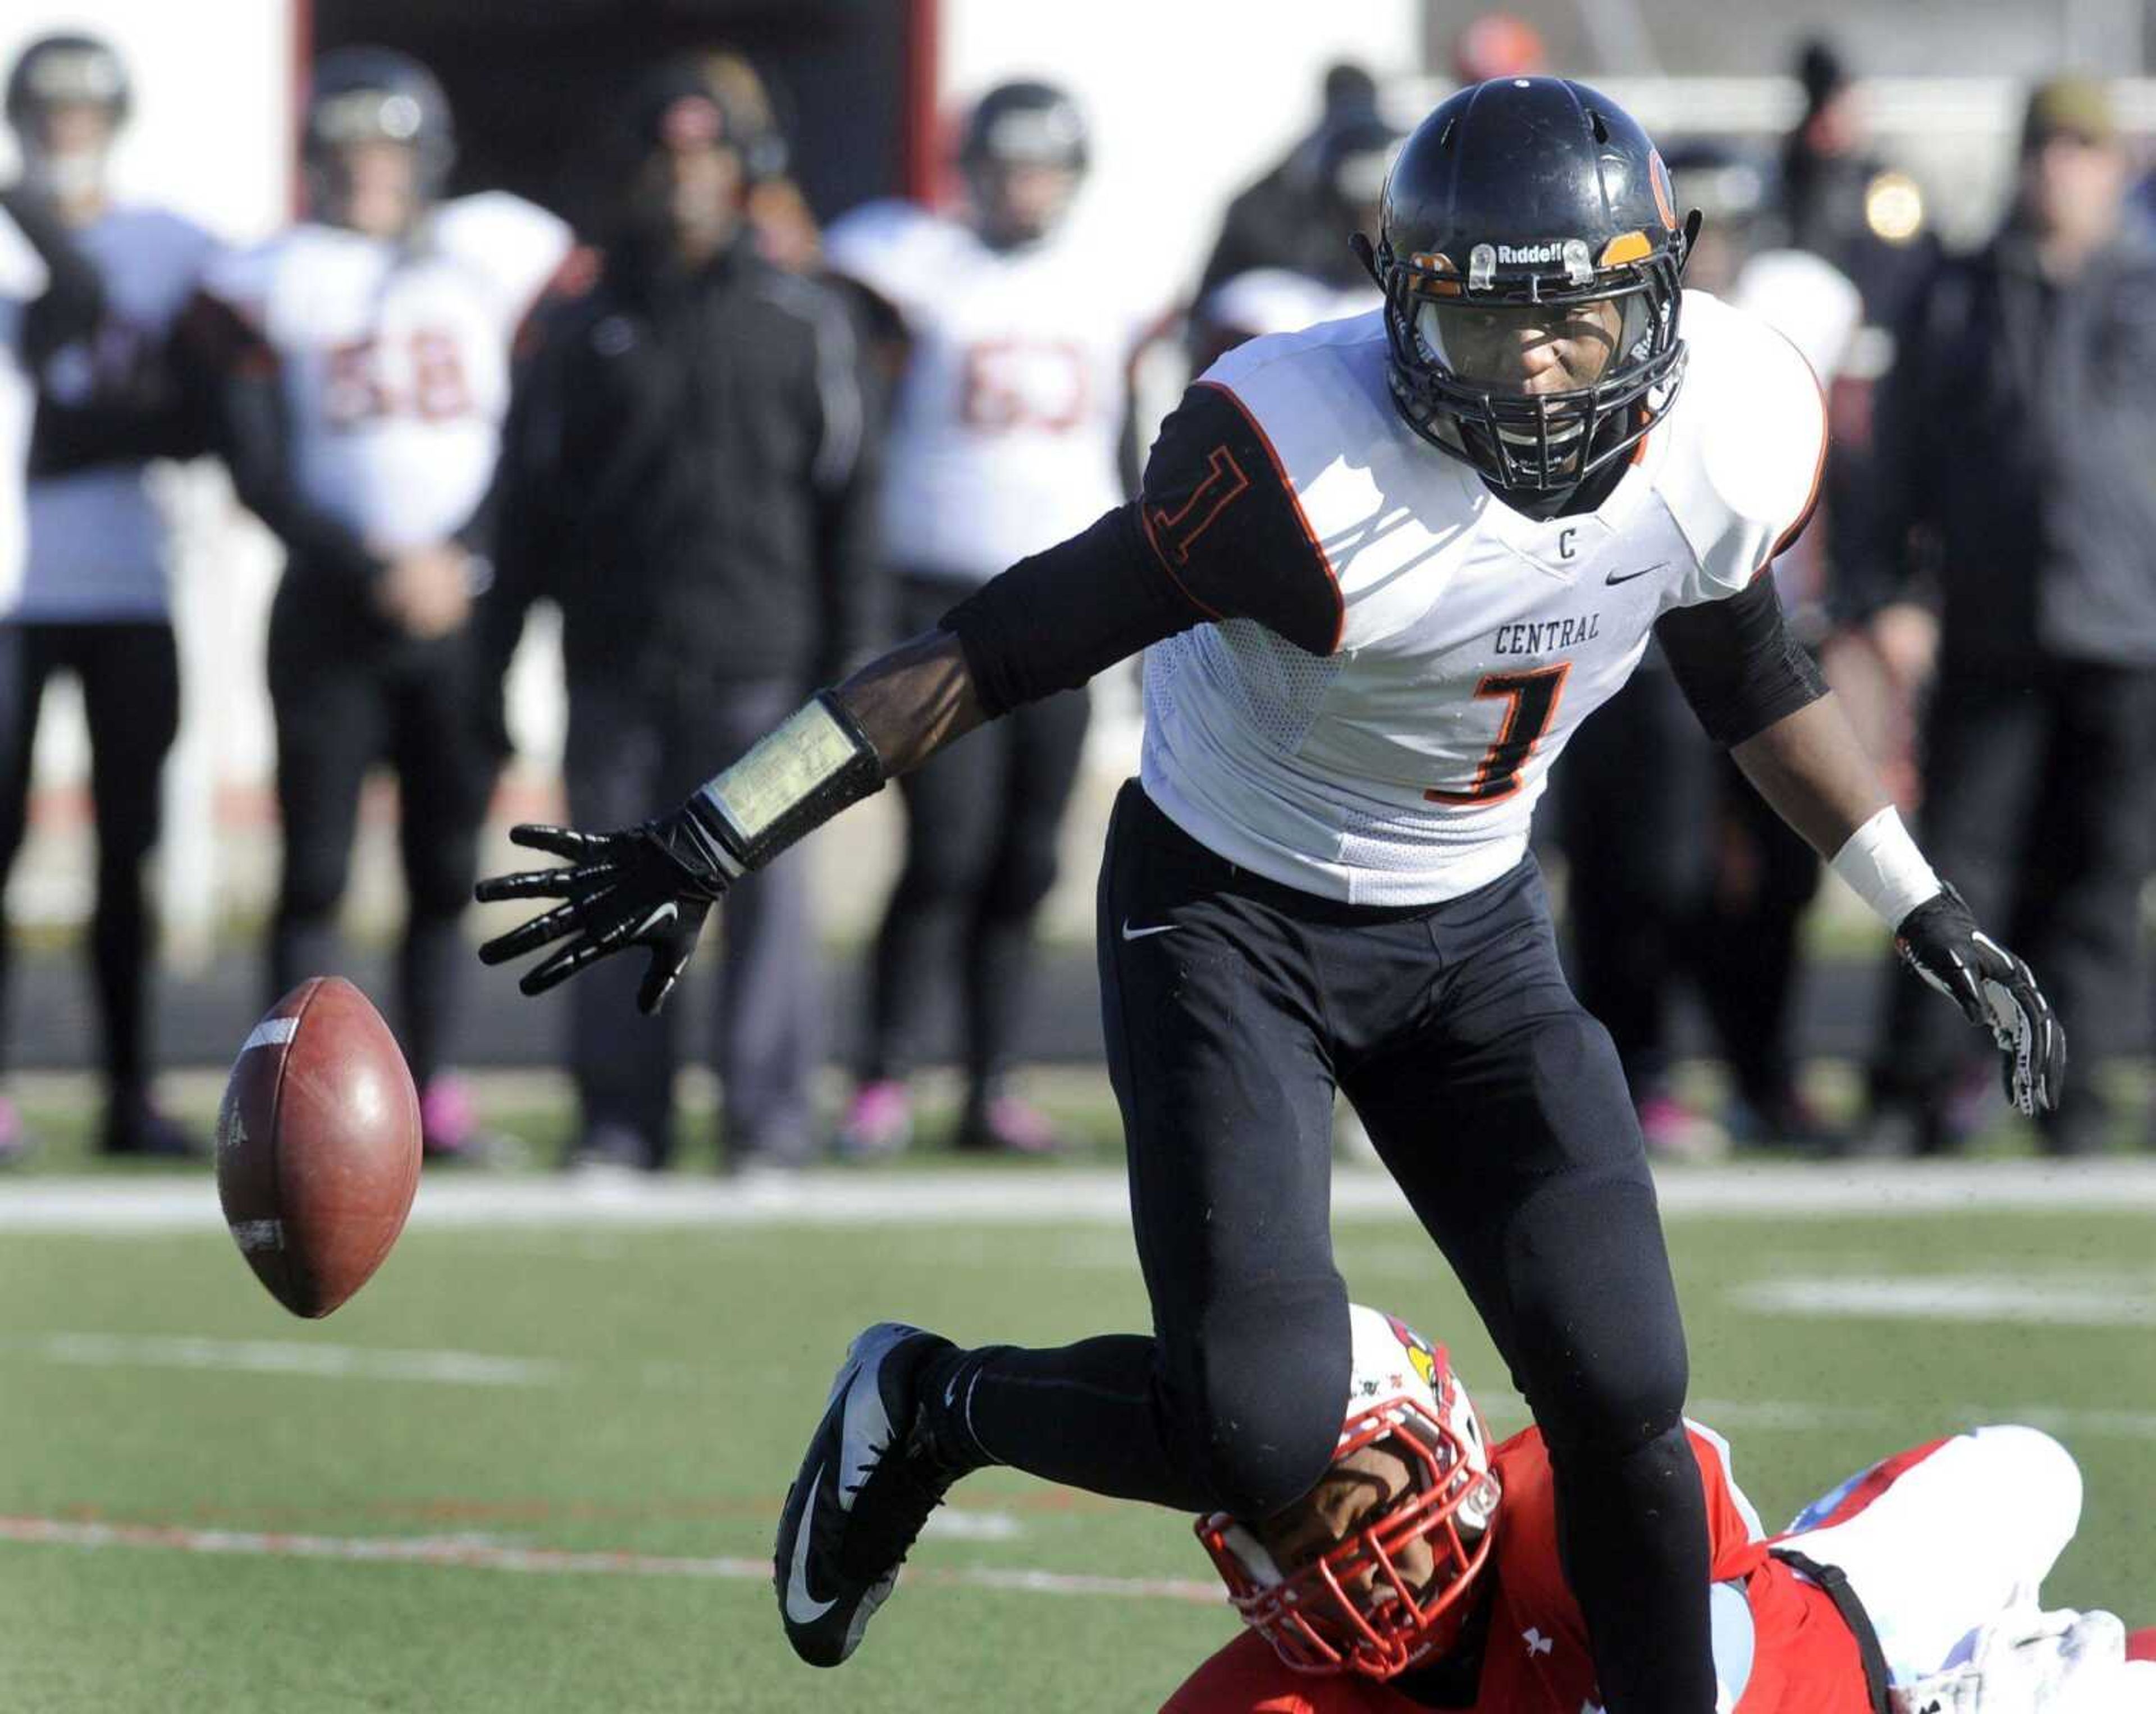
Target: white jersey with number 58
(395, 355)
(1005, 434)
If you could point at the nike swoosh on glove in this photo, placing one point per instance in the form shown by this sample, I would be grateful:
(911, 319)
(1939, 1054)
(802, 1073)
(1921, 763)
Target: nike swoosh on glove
(650, 886)
(1997, 991)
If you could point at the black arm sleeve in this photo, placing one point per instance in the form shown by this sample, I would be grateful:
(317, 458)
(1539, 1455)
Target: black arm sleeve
(1736, 663)
(1055, 619)
(1216, 534)
(233, 374)
(73, 301)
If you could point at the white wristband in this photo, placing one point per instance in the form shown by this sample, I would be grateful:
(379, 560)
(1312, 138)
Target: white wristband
(1884, 868)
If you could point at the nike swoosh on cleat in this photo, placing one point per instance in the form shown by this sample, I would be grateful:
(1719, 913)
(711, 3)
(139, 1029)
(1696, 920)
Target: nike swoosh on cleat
(801, 1607)
(1626, 577)
(1131, 934)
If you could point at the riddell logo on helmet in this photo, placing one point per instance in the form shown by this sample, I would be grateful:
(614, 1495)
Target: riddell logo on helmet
(1513, 255)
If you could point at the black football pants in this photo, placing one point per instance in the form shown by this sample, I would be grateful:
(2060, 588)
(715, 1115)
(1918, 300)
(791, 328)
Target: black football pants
(1233, 1005)
(632, 748)
(981, 821)
(129, 676)
(2036, 794)
(1634, 804)
(344, 703)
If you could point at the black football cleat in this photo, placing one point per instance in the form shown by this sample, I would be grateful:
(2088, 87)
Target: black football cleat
(866, 1486)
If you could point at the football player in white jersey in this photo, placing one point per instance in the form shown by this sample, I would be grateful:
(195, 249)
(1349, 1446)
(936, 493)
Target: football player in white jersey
(95, 599)
(1381, 570)
(1347, 162)
(1017, 333)
(365, 372)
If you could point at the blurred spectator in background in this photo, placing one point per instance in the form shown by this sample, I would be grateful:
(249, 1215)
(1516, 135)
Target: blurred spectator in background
(1018, 341)
(1841, 201)
(686, 474)
(2016, 440)
(1348, 159)
(95, 599)
(362, 370)
(1764, 877)
(1275, 223)
(49, 298)
(1497, 44)
(1652, 906)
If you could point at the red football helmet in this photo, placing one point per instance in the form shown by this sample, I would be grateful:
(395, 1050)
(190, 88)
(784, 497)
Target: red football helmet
(1390, 1592)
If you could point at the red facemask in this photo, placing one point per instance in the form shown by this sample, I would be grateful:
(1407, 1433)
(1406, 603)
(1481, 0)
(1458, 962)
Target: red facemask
(1352, 1609)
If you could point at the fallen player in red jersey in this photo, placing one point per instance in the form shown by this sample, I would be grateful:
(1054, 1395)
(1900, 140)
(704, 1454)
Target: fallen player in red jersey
(1423, 1573)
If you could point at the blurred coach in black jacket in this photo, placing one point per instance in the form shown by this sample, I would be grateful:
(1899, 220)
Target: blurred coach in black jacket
(687, 473)
(2017, 451)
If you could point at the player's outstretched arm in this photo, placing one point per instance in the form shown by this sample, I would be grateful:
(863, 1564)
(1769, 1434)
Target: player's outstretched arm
(1811, 768)
(652, 886)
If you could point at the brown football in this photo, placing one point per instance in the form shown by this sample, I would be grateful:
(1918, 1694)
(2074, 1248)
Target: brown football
(318, 1145)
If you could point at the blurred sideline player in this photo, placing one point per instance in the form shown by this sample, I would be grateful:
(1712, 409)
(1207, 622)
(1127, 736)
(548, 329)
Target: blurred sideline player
(1267, 225)
(50, 297)
(1017, 339)
(1652, 903)
(1423, 1572)
(1381, 570)
(1347, 160)
(364, 361)
(95, 599)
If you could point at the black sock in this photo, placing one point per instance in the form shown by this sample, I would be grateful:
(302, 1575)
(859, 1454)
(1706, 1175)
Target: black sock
(947, 1381)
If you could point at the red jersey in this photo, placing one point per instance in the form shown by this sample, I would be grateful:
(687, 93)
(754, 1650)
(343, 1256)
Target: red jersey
(1536, 1658)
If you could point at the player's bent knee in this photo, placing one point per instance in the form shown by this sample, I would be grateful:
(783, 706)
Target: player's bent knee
(1263, 1412)
(2039, 1472)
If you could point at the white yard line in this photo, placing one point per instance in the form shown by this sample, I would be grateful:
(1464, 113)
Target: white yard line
(1069, 1196)
(275, 1357)
(278, 1356)
(471, 1553)
(2011, 1300)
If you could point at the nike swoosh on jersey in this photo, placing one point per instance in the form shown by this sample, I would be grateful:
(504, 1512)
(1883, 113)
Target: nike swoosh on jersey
(801, 1607)
(1626, 577)
(1131, 934)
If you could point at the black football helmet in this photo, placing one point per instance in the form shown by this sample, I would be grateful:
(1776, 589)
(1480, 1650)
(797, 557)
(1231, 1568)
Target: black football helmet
(1016, 125)
(64, 70)
(1522, 203)
(1024, 123)
(375, 95)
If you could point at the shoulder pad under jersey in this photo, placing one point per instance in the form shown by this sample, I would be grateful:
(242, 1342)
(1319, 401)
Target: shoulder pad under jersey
(893, 247)
(1744, 447)
(517, 245)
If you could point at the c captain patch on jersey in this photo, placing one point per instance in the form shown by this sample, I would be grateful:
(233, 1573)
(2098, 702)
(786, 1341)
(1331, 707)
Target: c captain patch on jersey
(1379, 724)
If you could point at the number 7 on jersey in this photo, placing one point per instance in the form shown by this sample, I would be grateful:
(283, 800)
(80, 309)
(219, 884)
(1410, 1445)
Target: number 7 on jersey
(1531, 700)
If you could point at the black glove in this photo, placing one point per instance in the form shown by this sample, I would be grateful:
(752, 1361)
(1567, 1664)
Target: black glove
(1940, 941)
(650, 886)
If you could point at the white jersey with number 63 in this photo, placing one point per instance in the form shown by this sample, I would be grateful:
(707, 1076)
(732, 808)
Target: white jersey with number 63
(1005, 434)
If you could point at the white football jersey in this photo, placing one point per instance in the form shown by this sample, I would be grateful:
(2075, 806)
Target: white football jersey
(24, 278)
(1282, 300)
(395, 356)
(1403, 765)
(97, 541)
(1004, 437)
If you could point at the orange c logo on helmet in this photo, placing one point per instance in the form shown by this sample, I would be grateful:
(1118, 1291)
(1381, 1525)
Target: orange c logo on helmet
(1666, 200)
